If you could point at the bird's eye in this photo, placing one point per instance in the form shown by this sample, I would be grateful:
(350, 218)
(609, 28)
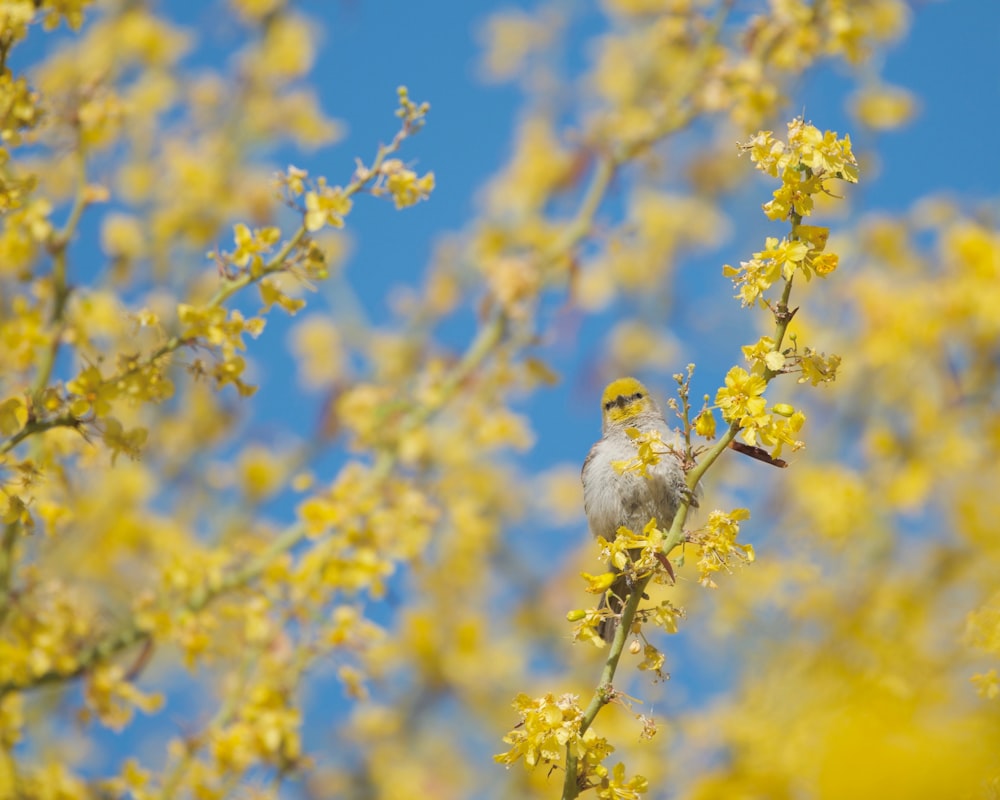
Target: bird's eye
(637, 396)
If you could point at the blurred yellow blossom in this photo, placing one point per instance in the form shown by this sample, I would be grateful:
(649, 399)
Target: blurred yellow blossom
(326, 206)
(883, 107)
(509, 39)
(403, 184)
(319, 348)
(256, 10)
(287, 50)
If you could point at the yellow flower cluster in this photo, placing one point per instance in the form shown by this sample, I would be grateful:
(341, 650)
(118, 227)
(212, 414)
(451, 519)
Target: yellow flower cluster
(402, 184)
(264, 730)
(616, 785)
(648, 560)
(11, 719)
(23, 234)
(717, 544)
(649, 447)
(111, 697)
(804, 165)
(587, 622)
(982, 631)
(909, 522)
(741, 398)
(641, 557)
(742, 404)
(326, 205)
(105, 560)
(548, 724)
(362, 529)
(188, 559)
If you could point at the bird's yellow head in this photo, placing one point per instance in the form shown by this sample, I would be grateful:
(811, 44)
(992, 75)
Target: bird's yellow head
(623, 400)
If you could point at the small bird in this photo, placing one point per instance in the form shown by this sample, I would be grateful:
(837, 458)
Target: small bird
(612, 499)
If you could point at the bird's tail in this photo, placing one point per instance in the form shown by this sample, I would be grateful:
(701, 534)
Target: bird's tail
(614, 600)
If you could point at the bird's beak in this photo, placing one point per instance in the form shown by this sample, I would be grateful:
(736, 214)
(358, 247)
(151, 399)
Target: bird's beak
(621, 401)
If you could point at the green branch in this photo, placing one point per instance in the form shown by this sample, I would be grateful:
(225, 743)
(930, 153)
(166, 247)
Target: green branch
(37, 426)
(675, 536)
(583, 221)
(132, 633)
(487, 340)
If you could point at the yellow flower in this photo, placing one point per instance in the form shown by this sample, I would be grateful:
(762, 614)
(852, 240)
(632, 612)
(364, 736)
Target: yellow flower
(818, 368)
(13, 415)
(271, 294)
(403, 184)
(704, 424)
(883, 107)
(809, 158)
(249, 244)
(987, 684)
(787, 256)
(92, 391)
(328, 205)
(719, 548)
(740, 398)
(617, 787)
(547, 726)
(120, 440)
(598, 584)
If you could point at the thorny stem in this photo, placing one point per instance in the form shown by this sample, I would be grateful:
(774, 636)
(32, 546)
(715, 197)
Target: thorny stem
(782, 318)
(684, 390)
